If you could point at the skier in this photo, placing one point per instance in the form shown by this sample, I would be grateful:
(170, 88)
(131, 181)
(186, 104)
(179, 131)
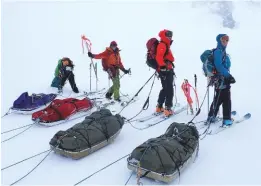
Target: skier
(64, 71)
(111, 62)
(165, 70)
(221, 82)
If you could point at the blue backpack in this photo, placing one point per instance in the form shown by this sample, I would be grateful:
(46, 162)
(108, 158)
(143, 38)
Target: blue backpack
(207, 59)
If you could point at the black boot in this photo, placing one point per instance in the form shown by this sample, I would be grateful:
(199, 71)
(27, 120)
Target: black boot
(75, 89)
(72, 83)
(108, 95)
(60, 89)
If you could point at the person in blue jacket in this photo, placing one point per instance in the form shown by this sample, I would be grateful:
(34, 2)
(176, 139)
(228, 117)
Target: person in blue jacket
(222, 83)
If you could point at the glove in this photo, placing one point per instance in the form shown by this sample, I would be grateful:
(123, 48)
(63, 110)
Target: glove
(163, 72)
(68, 68)
(231, 79)
(126, 71)
(60, 75)
(90, 55)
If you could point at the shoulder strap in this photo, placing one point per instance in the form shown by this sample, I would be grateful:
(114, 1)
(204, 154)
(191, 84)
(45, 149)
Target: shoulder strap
(167, 48)
(225, 54)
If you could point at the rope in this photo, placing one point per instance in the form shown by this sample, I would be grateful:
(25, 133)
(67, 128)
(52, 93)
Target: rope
(24, 160)
(215, 104)
(18, 133)
(16, 128)
(7, 113)
(101, 169)
(32, 169)
(137, 92)
(146, 104)
(129, 178)
(59, 141)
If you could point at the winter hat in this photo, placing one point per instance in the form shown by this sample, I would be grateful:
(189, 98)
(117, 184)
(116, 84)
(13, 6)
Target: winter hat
(113, 43)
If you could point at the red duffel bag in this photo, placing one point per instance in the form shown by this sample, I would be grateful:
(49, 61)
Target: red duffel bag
(61, 109)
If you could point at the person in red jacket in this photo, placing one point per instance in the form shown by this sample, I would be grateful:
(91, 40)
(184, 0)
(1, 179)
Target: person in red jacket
(165, 70)
(111, 60)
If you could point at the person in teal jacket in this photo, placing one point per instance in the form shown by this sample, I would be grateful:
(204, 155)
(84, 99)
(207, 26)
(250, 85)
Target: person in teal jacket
(64, 71)
(223, 80)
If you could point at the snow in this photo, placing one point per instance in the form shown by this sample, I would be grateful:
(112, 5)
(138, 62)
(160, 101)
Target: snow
(36, 34)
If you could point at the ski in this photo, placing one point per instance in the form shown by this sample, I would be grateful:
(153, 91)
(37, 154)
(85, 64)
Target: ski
(153, 115)
(104, 105)
(205, 123)
(222, 128)
(149, 117)
(164, 118)
(101, 104)
(93, 92)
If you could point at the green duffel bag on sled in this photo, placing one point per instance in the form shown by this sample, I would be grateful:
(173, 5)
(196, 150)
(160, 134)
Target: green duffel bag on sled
(165, 157)
(96, 131)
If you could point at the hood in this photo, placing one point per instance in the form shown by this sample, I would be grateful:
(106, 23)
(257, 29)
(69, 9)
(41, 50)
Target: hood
(162, 35)
(113, 43)
(110, 50)
(219, 44)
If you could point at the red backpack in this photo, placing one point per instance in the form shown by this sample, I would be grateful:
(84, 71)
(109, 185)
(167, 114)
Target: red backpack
(151, 45)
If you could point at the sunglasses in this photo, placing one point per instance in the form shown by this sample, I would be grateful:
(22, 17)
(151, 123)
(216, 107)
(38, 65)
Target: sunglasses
(225, 38)
(168, 34)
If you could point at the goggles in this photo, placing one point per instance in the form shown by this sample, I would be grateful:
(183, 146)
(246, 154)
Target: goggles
(225, 38)
(168, 34)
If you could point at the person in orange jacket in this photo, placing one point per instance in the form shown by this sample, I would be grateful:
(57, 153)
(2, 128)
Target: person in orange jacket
(111, 61)
(166, 73)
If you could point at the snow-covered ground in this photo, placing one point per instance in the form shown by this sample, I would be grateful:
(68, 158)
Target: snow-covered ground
(36, 34)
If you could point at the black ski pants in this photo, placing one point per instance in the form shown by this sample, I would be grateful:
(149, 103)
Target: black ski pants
(167, 91)
(70, 77)
(222, 96)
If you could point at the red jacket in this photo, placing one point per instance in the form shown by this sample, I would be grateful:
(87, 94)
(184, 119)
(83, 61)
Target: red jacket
(112, 58)
(161, 57)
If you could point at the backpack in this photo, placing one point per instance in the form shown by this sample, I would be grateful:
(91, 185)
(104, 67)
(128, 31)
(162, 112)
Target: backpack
(152, 45)
(207, 58)
(104, 65)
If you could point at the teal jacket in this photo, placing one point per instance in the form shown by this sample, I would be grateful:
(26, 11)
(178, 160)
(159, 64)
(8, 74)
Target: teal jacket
(58, 68)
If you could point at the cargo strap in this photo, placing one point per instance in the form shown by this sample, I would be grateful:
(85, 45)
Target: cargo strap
(87, 139)
(57, 112)
(145, 174)
(103, 131)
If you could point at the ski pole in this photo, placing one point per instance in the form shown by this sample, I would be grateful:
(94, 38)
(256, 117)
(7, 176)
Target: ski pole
(97, 75)
(90, 77)
(88, 46)
(208, 93)
(175, 89)
(195, 78)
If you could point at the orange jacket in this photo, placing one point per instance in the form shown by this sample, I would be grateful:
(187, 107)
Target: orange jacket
(161, 50)
(112, 58)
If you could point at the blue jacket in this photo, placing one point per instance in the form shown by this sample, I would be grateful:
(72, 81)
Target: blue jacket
(221, 60)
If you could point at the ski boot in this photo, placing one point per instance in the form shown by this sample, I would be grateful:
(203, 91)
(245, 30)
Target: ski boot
(159, 109)
(75, 90)
(60, 90)
(191, 111)
(211, 119)
(227, 122)
(108, 95)
(168, 112)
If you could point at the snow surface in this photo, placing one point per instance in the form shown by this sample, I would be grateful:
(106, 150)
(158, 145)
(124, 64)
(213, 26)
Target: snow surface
(36, 34)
